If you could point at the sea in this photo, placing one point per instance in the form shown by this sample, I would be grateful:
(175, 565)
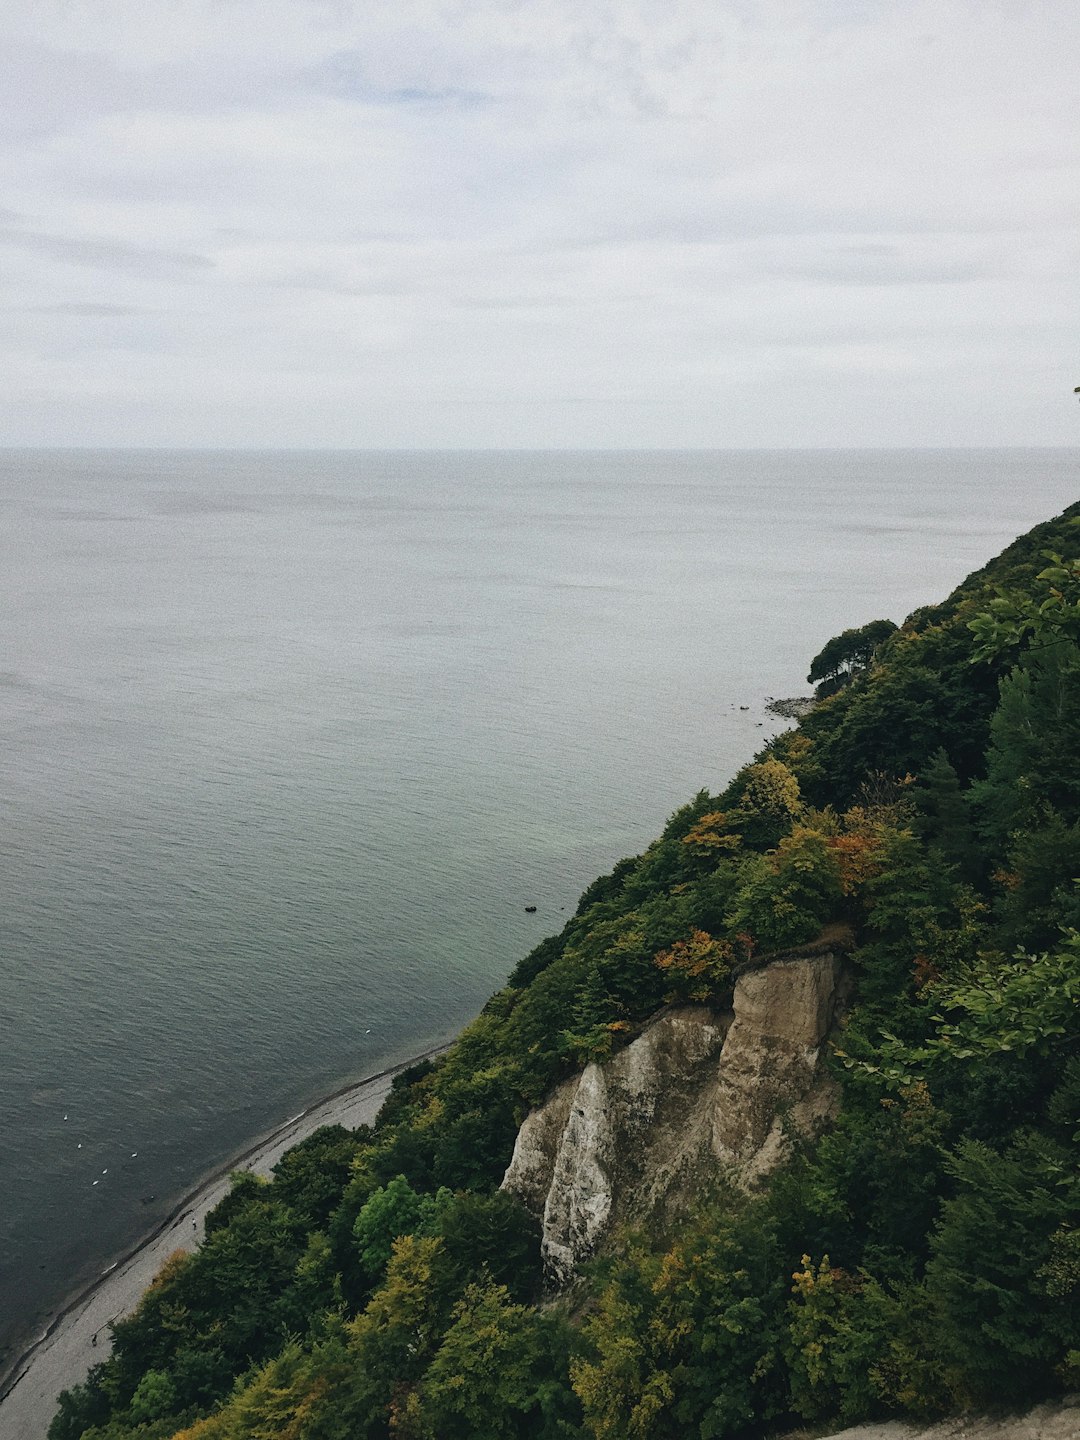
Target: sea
(291, 741)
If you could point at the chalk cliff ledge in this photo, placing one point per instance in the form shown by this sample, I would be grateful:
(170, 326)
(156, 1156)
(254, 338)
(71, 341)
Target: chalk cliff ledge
(697, 1096)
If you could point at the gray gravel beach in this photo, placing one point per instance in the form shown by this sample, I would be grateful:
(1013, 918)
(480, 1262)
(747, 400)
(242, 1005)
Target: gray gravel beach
(79, 1336)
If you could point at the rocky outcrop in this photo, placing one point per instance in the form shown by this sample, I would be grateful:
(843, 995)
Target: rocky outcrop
(697, 1096)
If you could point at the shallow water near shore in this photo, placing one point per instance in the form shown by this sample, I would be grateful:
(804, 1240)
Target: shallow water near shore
(293, 739)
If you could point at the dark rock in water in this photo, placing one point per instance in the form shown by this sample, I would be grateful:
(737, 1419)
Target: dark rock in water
(530, 909)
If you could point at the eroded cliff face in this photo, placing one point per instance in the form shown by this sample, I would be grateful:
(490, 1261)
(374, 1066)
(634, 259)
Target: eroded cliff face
(696, 1095)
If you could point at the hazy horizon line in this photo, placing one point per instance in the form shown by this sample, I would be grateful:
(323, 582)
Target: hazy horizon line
(510, 449)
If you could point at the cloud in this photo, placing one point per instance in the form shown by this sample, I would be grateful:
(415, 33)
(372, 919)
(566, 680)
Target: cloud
(99, 254)
(435, 223)
(346, 75)
(83, 307)
(919, 260)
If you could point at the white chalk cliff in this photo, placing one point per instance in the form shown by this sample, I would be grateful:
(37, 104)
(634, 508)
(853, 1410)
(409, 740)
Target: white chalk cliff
(698, 1095)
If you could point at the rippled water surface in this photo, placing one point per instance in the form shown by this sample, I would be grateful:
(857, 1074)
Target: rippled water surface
(290, 740)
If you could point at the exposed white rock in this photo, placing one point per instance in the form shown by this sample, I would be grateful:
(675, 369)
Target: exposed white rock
(696, 1095)
(768, 1077)
(579, 1196)
(538, 1143)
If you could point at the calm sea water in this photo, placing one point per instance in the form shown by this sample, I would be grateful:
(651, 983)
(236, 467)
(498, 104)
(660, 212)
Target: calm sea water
(290, 740)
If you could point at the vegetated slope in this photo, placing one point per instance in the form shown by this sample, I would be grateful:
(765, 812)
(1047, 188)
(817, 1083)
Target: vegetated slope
(924, 1255)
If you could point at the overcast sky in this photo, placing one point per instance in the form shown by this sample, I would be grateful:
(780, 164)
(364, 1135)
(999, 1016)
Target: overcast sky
(540, 223)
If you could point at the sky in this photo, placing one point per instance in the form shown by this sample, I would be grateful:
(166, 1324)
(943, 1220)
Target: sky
(540, 223)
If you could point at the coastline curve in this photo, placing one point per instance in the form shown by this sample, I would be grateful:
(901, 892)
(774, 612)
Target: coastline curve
(77, 1336)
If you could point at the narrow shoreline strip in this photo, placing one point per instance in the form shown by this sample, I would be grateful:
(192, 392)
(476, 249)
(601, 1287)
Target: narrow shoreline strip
(253, 1156)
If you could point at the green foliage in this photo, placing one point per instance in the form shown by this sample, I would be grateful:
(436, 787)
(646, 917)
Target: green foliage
(1026, 1007)
(909, 904)
(858, 1349)
(495, 1230)
(870, 1191)
(391, 1343)
(154, 1397)
(766, 801)
(1033, 762)
(894, 722)
(285, 1398)
(389, 1212)
(944, 820)
(620, 1387)
(847, 655)
(666, 1328)
(1060, 1276)
(316, 1286)
(406, 1089)
(210, 1315)
(161, 1429)
(244, 1189)
(80, 1408)
(698, 967)
(527, 969)
(499, 1373)
(310, 1177)
(1031, 1003)
(840, 1326)
(607, 888)
(1006, 1329)
(1039, 896)
(1042, 616)
(785, 897)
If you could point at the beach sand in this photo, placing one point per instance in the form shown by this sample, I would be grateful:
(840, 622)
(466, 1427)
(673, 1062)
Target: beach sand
(78, 1337)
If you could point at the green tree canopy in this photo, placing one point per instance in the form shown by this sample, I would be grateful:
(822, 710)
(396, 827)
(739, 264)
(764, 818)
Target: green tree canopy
(847, 655)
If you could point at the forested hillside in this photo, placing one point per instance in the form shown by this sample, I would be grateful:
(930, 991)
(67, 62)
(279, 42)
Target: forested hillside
(921, 1257)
